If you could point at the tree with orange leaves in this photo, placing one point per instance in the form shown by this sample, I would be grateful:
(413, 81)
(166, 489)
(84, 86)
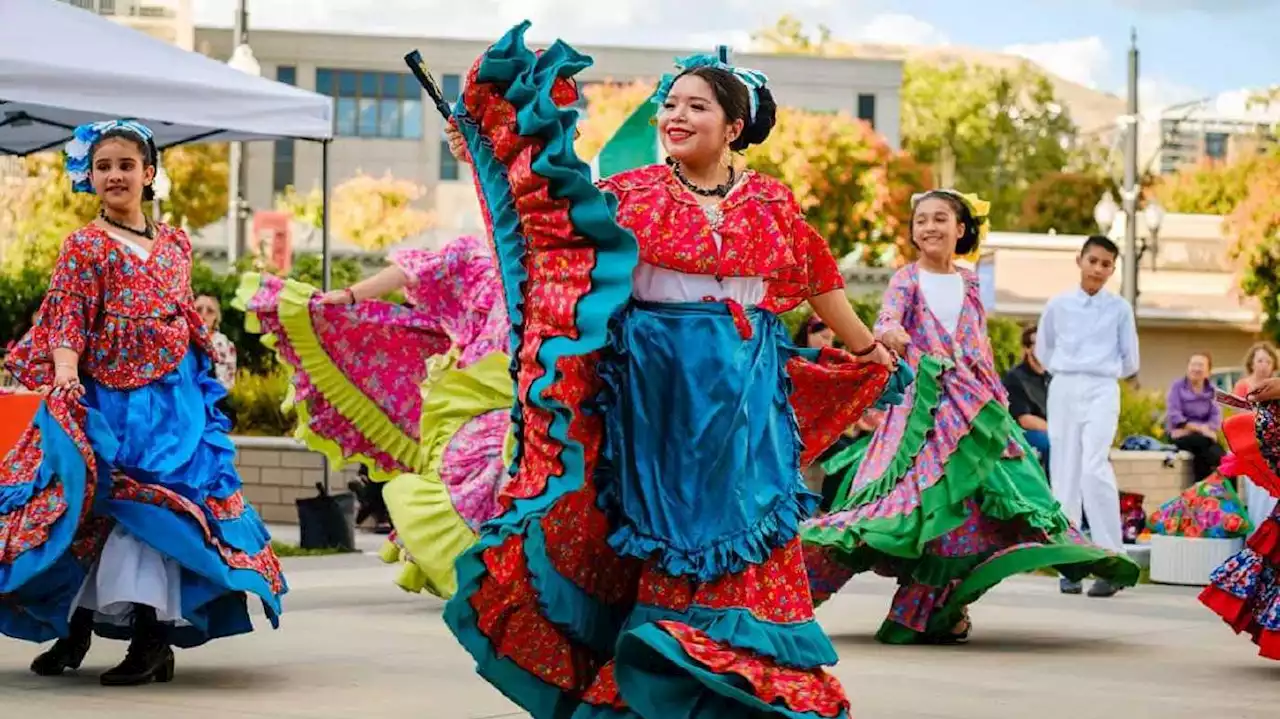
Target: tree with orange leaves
(853, 187)
(1254, 227)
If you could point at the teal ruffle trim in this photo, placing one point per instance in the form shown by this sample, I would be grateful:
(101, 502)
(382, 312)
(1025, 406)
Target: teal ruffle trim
(730, 555)
(665, 682)
(529, 80)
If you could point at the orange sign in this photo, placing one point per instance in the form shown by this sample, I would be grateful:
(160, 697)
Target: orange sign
(272, 239)
(16, 412)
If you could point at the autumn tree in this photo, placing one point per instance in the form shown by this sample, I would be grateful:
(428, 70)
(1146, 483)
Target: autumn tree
(38, 210)
(198, 179)
(1063, 202)
(788, 36)
(369, 212)
(853, 187)
(1254, 227)
(1209, 188)
(990, 131)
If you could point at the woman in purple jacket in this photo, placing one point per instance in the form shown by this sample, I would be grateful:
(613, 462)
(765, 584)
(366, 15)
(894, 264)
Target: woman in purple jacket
(1193, 419)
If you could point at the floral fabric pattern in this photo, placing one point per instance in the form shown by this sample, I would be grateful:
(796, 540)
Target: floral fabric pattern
(224, 360)
(131, 320)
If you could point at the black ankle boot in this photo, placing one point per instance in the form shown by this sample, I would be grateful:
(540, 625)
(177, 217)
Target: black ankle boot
(68, 652)
(149, 659)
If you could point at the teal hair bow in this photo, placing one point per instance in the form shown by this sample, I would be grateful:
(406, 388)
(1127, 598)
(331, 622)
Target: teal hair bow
(753, 80)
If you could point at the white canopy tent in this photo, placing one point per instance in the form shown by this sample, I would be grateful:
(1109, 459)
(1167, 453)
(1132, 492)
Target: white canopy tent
(61, 67)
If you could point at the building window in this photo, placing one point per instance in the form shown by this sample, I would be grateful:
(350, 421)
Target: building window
(373, 104)
(451, 86)
(1215, 145)
(106, 7)
(867, 108)
(282, 167)
(448, 163)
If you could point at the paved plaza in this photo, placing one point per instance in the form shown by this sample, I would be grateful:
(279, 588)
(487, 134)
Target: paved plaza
(353, 645)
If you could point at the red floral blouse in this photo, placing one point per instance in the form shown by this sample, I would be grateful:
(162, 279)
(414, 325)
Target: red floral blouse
(762, 230)
(130, 319)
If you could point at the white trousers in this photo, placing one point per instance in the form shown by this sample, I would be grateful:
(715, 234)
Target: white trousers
(1259, 502)
(1083, 414)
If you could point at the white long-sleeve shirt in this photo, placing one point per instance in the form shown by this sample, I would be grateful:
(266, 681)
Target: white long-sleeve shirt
(1087, 334)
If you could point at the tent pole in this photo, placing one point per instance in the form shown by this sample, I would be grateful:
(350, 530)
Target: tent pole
(326, 269)
(325, 251)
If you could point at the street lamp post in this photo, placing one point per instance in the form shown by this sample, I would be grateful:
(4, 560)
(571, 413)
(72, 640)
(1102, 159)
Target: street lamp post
(242, 59)
(1129, 194)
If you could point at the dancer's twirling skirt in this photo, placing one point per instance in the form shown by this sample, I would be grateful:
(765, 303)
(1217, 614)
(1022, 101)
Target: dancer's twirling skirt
(416, 394)
(949, 499)
(646, 562)
(1245, 590)
(132, 497)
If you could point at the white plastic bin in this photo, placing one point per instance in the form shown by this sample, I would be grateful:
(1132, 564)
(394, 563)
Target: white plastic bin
(1187, 560)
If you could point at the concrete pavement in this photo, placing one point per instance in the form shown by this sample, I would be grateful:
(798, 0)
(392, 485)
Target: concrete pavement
(353, 645)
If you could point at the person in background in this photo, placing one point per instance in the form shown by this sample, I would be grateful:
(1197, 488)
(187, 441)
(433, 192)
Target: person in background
(1260, 364)
(1088, 340)
(1193, 419)
(1028, 387)
(224, 360)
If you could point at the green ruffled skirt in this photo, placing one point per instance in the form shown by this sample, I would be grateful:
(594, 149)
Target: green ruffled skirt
(947, 538)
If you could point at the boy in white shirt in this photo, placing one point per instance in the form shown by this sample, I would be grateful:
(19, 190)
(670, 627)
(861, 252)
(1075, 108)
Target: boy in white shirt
(1088, 341)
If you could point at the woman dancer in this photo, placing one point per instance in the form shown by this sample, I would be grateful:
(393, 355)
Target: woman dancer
(120, 508)
(646, 562)
(1260, 364)
(949, 498)
(1245, 589)
(419, 395)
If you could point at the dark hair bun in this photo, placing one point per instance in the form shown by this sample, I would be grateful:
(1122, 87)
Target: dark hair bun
(757, 131)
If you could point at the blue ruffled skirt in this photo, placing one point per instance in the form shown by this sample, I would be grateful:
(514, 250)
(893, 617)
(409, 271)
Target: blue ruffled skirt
(163, 502)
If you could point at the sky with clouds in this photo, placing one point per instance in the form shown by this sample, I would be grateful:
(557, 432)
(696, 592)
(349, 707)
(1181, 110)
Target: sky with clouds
(1190, 48)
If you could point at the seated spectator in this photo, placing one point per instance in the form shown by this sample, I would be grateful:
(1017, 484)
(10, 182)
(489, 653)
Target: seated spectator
(1193, 419)
(1028, 388)
(224, 360)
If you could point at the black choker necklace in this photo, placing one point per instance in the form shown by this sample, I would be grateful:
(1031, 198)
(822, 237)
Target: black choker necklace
(718, 191)
(148, 230)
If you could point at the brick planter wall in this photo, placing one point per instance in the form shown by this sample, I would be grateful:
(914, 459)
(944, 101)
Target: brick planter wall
(276, 471)
(1145, 473)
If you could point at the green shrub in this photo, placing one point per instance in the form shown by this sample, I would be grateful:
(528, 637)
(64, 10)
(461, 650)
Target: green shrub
(256, 403)
(1141, 413)
(20, 295)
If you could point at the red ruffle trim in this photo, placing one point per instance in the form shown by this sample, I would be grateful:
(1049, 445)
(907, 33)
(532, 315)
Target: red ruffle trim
(830, 395)
(1238, 613)
(509, 615)
(801, 690)
(265, 563)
